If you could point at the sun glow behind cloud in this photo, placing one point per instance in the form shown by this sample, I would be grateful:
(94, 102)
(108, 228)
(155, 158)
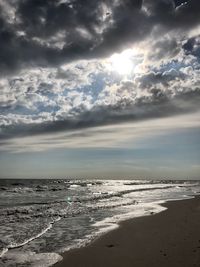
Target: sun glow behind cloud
(122, 63)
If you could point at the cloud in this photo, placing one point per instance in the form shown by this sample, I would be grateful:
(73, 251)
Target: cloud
(54, 75)
(155, 105)
(51, 33)
(85, 94)
(104, 137)
(167, 47)
(152, 79)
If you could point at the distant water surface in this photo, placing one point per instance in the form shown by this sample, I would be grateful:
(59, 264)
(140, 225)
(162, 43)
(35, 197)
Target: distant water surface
(39, 219)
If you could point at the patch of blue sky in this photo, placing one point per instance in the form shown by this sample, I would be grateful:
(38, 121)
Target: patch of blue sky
(47, 108)
(174, 64)
(95, 88)
(99, 82)
(36, 110)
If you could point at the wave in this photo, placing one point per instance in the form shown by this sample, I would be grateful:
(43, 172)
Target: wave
(106, 195)
(26, 241)
(71, 206)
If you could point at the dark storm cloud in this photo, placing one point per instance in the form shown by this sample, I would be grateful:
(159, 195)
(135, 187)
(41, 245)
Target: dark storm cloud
(51, 32)
(157, 104)
(151, 79)
(192, 47)
(15, 51)
(29, 40)
(166, 48)
(165, 13)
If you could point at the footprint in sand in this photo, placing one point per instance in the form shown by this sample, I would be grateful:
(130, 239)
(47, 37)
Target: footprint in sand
(110, 246)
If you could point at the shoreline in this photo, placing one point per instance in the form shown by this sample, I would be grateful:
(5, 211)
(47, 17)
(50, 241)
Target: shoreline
(169, 238)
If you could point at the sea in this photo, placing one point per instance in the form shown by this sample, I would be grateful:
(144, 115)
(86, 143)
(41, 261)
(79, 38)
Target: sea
(41, 219)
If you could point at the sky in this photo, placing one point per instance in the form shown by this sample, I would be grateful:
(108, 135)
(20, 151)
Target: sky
(100, 89)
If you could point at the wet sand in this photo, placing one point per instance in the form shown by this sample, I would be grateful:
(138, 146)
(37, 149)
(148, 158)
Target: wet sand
(168, 239)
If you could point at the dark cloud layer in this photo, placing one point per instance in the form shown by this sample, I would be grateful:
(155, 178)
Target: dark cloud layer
(28, 41)
(86, 29)
(156, 105)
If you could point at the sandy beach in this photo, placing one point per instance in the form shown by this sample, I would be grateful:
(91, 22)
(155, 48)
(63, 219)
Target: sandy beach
(168, 239)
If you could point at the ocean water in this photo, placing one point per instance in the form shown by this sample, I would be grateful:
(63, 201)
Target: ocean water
(40, 219)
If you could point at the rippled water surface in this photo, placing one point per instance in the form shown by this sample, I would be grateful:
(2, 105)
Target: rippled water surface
(39, 219)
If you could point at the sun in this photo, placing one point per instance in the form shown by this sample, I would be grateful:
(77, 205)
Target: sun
(122, 63)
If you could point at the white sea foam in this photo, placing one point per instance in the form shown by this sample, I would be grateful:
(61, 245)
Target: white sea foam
(4, 250)
(16, 245)
(74, 186)
(26, 241)
(139, 210)
(30, 258)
